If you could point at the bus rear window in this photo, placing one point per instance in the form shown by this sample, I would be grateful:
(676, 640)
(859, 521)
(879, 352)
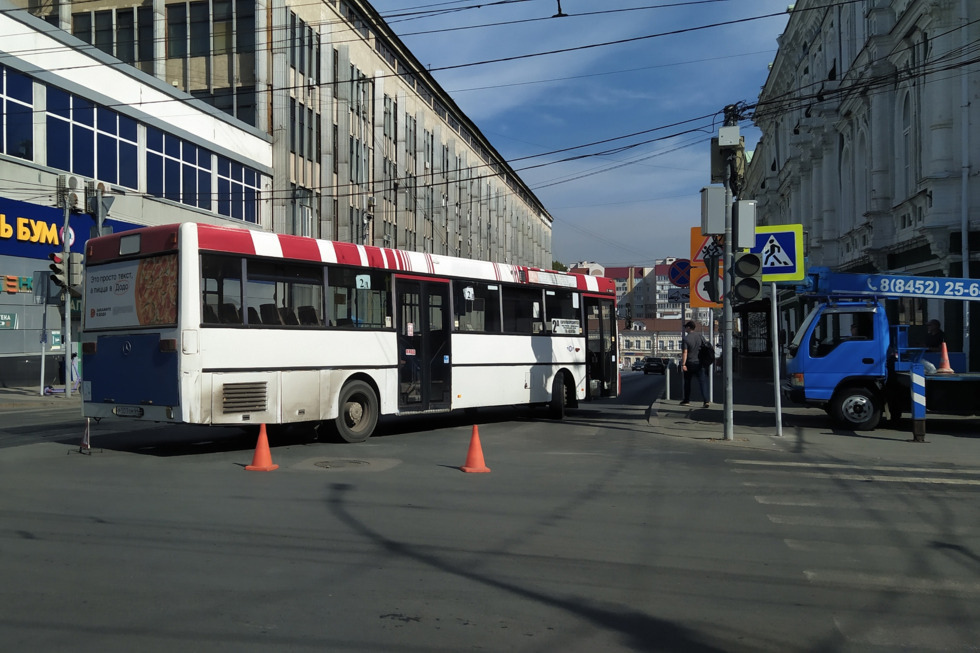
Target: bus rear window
(128, 294)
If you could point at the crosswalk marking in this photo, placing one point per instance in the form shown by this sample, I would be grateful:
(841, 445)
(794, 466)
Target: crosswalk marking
(835, 522)
(882, 478)
(875, 468)
(892, 582)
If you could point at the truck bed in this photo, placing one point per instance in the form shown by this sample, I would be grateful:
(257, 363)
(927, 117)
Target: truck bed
(951, 394)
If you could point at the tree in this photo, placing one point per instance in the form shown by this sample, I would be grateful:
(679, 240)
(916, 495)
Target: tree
(559, 266)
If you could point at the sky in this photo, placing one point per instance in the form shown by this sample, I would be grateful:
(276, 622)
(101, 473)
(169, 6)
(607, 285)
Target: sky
(641, 83)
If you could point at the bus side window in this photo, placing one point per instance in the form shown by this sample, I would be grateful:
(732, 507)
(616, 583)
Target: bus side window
(210, 314)
(221, 289)
(476, 306)
(522, 310)
(358, 298)
(562, 312)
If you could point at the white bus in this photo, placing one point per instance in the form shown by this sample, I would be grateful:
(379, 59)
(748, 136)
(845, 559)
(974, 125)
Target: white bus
(202, 324)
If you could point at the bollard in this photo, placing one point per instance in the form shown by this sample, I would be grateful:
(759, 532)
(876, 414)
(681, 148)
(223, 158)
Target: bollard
(918, 377)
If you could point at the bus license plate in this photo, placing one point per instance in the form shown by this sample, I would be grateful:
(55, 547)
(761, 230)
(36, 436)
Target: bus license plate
(128, 411)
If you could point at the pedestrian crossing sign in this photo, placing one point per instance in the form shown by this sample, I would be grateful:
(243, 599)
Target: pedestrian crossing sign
(781, 249)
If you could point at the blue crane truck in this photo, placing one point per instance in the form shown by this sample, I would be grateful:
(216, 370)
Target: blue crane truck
(847, 358)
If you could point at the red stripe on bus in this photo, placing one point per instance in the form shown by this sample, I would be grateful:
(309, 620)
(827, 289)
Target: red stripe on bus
(220, 239)
(347, 254)
(298, 247)
(375, 257)
(391, 261)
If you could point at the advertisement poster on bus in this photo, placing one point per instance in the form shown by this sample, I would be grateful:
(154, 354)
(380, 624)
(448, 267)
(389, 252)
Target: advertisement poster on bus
(132, 293)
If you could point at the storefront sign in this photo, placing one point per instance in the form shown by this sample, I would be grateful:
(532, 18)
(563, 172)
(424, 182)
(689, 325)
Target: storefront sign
(34, 231)
(8, 320)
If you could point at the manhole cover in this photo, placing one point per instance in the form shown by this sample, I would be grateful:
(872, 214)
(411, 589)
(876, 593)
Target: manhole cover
(341, 464)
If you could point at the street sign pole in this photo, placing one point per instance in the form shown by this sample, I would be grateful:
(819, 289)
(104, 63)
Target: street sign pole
(66, 338)
(775, 360)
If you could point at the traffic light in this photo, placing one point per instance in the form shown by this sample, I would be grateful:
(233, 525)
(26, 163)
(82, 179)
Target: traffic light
(75, 273)
(747, 281)
(59, 271)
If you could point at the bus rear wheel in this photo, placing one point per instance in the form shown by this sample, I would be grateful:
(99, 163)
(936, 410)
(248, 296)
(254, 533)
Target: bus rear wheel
(358, 412)
(559, 397)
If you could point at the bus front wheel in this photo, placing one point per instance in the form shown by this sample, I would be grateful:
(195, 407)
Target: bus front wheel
(358, 412)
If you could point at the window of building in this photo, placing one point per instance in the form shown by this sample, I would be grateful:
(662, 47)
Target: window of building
(200, 24)
(223, 30)
(126, 36)
(238, 190)
(144, 20)
(245, 34)
(117, 158)
(17, 98)
(176, 31)
(177, 170)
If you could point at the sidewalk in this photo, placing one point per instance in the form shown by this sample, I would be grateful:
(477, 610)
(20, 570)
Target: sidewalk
(950, 441)
(14, 398)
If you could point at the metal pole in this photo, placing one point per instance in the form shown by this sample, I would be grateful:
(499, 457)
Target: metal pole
(775, 361)
(66, 337)
(965, 178)
(711, 339)
(44, 335)
(727, 303)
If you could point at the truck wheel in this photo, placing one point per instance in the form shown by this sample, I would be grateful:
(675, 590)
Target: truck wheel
(856, 408)
(556, 408)
(358, 412)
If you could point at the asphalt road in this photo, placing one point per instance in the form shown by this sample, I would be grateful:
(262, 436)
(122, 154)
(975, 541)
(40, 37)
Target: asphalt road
(626, 527)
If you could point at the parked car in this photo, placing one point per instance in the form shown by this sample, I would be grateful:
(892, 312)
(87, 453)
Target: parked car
(654, 366)
(637, 365)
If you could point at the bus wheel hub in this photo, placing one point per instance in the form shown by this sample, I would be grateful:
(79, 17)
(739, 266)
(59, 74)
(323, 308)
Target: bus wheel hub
(354, 412)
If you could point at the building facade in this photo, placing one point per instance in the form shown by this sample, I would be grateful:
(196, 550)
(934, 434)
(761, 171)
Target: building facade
(367, 148)
(869, 140)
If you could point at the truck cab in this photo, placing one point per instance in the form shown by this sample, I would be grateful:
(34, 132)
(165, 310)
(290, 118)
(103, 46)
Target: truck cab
(838, 360)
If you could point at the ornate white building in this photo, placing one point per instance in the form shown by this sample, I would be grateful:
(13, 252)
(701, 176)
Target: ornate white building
(871, 139)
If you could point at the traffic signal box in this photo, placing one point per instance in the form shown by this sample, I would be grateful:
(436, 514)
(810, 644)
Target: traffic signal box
(747, 280)
(67, 275)
(75, 273)
(59, 270)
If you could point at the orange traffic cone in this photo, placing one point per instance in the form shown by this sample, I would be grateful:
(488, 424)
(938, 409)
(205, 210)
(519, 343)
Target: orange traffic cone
(262, 460)
(944, 367)
(474, 457)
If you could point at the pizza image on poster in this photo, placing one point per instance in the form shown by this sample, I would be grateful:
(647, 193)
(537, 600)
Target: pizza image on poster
(156, 291)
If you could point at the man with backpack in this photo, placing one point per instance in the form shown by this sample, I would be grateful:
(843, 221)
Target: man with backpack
(697, 355)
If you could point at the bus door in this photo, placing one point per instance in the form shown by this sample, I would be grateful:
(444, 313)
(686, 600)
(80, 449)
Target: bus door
(424, 356)
(601, 370)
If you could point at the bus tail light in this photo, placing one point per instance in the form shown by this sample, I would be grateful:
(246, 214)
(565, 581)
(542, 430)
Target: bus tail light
(88, 348)
(796, 380)
(168, 344)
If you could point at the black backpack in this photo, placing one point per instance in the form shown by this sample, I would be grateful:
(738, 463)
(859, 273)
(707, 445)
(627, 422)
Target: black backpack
(706, 353)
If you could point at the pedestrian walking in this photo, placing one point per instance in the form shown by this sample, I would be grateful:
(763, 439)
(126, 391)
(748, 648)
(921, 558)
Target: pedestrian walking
(694, 363)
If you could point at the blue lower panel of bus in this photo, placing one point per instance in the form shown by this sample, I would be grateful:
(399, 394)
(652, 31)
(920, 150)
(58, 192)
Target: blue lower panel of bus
(131, 369)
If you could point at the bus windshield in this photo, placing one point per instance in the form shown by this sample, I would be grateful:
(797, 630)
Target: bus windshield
(135, 293)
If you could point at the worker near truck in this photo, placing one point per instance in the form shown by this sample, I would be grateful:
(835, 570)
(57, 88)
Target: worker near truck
(934, 335)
